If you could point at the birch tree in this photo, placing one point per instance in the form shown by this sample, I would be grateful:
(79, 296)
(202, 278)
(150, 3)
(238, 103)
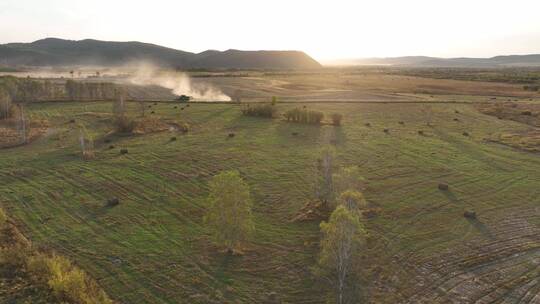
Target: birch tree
(342, 236)
(229, 215)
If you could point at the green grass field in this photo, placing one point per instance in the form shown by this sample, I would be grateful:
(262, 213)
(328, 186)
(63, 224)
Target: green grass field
(154, 248)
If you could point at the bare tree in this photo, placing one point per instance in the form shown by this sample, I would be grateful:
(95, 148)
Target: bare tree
(22, 124)
(87, 144)
(5, 105)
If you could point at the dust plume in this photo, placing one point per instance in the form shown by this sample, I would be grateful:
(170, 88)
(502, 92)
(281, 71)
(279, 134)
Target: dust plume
(178, 82)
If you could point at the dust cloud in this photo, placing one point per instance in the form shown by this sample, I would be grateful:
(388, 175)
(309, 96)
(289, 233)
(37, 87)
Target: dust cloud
(178, 82)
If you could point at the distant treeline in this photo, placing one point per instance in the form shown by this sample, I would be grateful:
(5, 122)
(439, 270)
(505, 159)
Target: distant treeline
(30, 90)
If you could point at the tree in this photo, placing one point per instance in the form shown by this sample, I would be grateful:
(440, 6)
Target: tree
(274, 100)
(342, 235)
(353, 201)
(325, 185)
(229, 212)
(336, 119)
(6, 110)
(348, 178)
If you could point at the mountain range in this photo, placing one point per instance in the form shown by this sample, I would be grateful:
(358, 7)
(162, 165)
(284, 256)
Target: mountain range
(532, 60)
(60, 52)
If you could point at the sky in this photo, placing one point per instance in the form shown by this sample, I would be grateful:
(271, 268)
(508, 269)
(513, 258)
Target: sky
(326, 30)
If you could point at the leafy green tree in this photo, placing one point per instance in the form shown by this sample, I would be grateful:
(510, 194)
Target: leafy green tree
(342, 236)
(229, 212)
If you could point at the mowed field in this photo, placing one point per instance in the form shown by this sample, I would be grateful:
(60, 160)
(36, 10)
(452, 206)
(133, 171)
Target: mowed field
(154, 248)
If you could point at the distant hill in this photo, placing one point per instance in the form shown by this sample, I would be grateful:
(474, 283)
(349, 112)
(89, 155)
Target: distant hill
(60, 52)
(424, 61)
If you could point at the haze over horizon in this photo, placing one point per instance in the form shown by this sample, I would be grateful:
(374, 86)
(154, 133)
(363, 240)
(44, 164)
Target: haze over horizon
(325, 31)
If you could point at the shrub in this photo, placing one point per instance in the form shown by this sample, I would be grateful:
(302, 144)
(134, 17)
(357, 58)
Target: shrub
(336, 119)
(260, 110)
(304, 116)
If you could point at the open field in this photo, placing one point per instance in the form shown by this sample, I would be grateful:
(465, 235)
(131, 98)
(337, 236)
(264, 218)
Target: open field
(154, 248)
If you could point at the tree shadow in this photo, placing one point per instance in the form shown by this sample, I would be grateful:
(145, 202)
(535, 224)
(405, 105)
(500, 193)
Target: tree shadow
(481, 227)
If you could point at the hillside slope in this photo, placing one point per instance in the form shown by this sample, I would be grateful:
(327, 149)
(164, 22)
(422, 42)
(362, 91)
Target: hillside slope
(59, 52)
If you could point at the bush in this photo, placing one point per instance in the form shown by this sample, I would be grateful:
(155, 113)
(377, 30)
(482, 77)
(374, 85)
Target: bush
(68, 283)
(336, 119)
(260, 110)
(304, 116)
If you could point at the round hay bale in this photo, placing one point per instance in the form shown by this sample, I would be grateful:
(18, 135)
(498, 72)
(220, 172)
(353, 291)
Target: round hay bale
(173, 138)
(456, 119)
(152, 112)
(124, 151)
(181, 109)
(187, 105)
(443, 187)
(456, 111)
(111, 147)
(72, 121)
(176, 107)
(368, 124)
(465, 133)
(527, 113)
(401, 123)
(294, 133)
(107, 141)
(420, 132)
(386, 131)
(231, 135)
(470, 214)
(155, 103)
(113, 202)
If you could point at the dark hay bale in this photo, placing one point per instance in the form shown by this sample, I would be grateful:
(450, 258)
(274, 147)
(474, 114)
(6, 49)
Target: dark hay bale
(527, 113)
(465, 133)
(231, 135)
(304, 107)
(294, 133)
(420, 132)
(124, 151)
(181, 109)
(386, 131)
(111, 147)
(113, 202)
(107, 141)
(367, 124)
(173, 138)
(401, 123)
(443, 186)
(149, 106)
(72, 121)
(456, 119)
(176, 107)
(152, 112)
(470, 214)
(456, 111)
(187, 106)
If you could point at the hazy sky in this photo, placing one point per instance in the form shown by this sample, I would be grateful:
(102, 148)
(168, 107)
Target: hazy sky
(323, 29)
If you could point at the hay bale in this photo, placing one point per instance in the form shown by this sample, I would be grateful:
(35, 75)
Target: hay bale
(231, 135)
(176, 107)
(111, 147)
(443, 187)
(294, 133)
(401, 123)
(527, 113)
(152, 112)
(107, 141)
(456, 111)
(420, 132)
(386, 131)
(368, 124)
(181, 109)
(187, 105)
(124, 151)
(470, 214)
(155, 103)
(72, 121)
(173, 138)
(456, 119)
(113, 202)
(465, 133)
